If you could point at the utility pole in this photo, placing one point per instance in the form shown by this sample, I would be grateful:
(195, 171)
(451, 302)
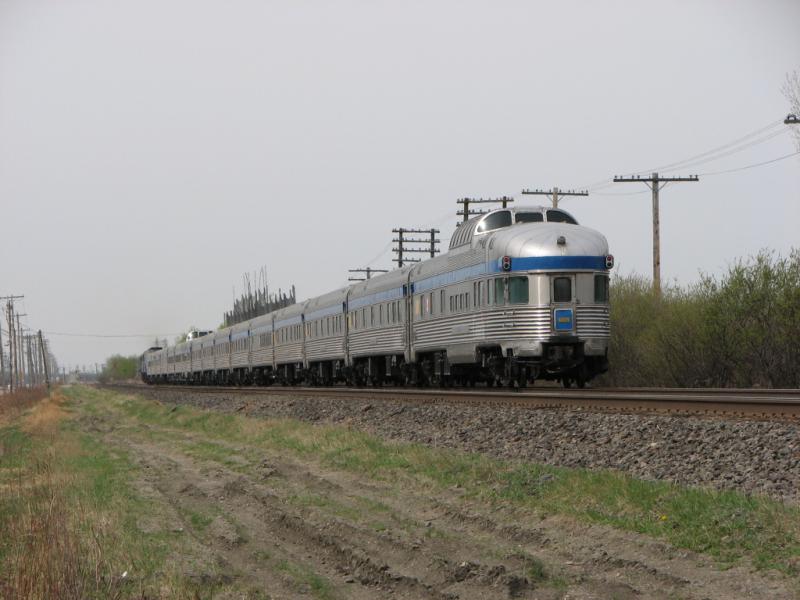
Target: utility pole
(468, 212)
(37, 363)
(11, 338)
(555, 194)
(655, 183)
(20, 350)
(368, 272)
(44, 360)
(12, 352)
(29, 357)
(430, 244)
(2, 364)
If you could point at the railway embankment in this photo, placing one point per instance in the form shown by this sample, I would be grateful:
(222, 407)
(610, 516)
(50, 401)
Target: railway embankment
(116, 495)
(754, 457)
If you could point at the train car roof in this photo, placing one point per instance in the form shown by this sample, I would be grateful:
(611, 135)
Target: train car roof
(243, 326)
(494, 220)
(262, 320)
(290, 311)
(334, 298)
(382, 282)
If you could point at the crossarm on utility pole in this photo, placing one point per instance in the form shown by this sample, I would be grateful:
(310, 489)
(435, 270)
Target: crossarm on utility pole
(655, 183)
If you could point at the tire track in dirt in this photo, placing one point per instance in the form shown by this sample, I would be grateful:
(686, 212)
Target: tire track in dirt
(259, 521)
(336, 549)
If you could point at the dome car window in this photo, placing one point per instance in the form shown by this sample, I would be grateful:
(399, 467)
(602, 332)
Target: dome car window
(529, 217)
(495, 221)
(556, 216)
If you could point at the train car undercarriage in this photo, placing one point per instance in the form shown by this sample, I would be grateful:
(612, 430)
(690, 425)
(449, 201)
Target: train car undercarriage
(560, 361)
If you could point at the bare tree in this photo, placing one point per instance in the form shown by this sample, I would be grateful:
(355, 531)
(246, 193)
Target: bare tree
(791, 90)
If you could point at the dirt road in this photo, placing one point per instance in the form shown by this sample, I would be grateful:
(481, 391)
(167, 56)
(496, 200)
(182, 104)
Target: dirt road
(257, 523)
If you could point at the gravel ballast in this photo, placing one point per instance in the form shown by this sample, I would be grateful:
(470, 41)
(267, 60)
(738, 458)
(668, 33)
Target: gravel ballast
(749, 456)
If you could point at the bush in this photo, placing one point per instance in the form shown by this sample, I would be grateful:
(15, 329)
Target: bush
(120, 368)
(740, 330)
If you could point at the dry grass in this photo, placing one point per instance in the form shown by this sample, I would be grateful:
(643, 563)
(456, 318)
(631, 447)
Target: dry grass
(44, 417)
(51, 539)
(56, 548)
(13, 405)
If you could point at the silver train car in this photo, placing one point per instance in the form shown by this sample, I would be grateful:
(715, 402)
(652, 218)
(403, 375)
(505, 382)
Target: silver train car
(522, 294)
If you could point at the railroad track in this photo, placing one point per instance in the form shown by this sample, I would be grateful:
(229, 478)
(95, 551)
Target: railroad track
(731, 403)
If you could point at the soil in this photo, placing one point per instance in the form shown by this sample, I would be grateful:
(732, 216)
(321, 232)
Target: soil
(262, 525)
(755, 457)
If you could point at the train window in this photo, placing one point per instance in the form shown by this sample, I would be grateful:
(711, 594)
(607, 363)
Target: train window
(466, 301)
(529, 217)
(499, 290)
(562, 289)
(600, 288)
(430, 302)
(518, 290)
(495, 221)
(451, 303)
(557, 216)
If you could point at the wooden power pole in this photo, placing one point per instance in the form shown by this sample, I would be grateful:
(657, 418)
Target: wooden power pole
(468, 212)
(20, 345)
(44, 360)
(429, 245)
(12, 355)
(555, 194)
(655, 183)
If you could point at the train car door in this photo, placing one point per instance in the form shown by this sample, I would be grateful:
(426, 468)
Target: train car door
(562, 293)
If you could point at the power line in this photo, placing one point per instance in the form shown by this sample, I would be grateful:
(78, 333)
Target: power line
(685, 163)
(738, 141)
(734, 150)
(619, 193)
(111, 335)
(753, 166)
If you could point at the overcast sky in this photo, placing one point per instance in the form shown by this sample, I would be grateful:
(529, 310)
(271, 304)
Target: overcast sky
(153, 151)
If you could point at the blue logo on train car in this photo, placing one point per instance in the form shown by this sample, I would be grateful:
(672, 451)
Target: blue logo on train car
(563, 319)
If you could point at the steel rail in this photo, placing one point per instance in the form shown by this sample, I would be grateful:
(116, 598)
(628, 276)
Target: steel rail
(739, 403)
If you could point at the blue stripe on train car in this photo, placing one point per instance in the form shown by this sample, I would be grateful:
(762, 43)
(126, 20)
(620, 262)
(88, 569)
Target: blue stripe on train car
(554, 263)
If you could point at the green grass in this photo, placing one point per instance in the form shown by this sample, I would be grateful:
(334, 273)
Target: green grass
(68, 525)
(723, 524)
(318, 586)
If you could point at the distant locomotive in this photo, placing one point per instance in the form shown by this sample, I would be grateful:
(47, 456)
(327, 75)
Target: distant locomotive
(522, 294)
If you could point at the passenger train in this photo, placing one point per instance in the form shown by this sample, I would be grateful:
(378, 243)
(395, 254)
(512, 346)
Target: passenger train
(521, 295)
